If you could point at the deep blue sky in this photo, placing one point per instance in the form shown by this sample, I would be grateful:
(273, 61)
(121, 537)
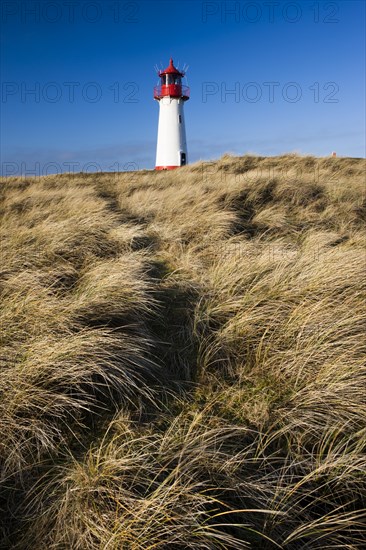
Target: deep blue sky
(106, 50)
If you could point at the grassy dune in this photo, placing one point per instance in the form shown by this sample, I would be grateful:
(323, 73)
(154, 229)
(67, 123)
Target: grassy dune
(183, 357)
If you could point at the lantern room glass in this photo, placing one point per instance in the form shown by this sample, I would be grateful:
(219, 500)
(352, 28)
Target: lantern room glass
(168, 79)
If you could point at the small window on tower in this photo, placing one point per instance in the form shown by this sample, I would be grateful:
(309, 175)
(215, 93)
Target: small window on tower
(180, 118)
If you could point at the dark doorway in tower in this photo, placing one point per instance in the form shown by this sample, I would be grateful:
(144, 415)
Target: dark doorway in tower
(182, 159)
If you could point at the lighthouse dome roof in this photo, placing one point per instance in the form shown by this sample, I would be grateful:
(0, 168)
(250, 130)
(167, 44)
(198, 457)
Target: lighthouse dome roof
(171, 69)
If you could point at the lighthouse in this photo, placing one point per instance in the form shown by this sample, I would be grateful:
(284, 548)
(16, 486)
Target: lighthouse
(171, 150)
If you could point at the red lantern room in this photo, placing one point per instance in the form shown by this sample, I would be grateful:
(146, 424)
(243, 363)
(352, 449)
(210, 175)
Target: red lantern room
(171, 84)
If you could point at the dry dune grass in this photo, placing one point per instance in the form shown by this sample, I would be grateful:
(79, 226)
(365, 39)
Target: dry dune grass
(183, 359)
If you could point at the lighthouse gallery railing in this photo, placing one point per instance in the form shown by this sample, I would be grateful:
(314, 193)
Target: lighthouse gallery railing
(173, 90)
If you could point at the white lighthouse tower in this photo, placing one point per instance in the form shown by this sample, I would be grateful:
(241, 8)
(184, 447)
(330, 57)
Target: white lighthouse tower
(171, 150)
